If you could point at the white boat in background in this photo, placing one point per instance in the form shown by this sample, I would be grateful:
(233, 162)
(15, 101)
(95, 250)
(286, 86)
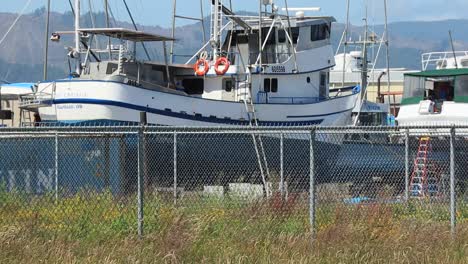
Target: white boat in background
(438, 95)
(10, 112)
(278, 75)
(444, 60)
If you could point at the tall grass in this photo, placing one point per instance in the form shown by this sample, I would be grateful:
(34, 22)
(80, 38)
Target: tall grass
(91, 227)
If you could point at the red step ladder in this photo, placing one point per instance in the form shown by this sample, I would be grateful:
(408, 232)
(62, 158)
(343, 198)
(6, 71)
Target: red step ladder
(424, 181)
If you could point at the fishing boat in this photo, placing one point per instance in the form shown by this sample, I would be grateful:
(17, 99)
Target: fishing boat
(266, 70)
(271, 69)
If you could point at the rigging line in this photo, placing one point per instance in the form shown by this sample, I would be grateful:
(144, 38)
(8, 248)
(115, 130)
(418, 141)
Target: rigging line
(71, 7)
(16, 21)
(112, 15)
(136, 28)
(93, 23)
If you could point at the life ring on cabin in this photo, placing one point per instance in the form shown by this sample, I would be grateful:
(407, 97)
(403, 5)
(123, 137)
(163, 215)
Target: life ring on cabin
(223, 61)
(201, 67)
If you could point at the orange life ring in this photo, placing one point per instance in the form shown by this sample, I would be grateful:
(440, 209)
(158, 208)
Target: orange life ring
(199, 70)
(222, 61)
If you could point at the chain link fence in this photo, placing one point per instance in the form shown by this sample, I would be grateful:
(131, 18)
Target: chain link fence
(230, 181)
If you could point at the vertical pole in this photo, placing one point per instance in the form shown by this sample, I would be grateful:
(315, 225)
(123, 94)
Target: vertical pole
(407, 164)
(174, 17)
(282, 166)
(453, 217)
(77, 35)
(46, 41)
(345, 45)
(312, 175)
(260, 42)
(216, 29)
(175, 168)
(107, 176)
(388, 55)
(56, 167)
(143, 122)
(168, 74)
(203, 21)
(282, 187)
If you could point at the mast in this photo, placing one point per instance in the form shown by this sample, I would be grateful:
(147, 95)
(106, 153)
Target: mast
(364, 59)
(388, 56)
(217, 24)
(174, 14)
(46, 41)
(345, 42)
(77, 36)
(260, 35)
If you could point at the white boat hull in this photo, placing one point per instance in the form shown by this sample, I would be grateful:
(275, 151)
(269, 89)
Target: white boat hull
(76, 101)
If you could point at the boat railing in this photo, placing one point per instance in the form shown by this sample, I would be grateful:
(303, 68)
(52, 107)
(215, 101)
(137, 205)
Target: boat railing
(35, 100)
(436, 59)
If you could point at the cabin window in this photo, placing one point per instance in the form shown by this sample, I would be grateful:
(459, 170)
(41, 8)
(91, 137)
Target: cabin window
(270, 85)
(274, 85)
(193, 86)
(295, 34)
(319, 32)
(242, 38)
(228, 85)
(414, 87)
(461, 86)
(271, 39)
(267, 85)
(323, 79)
(281, 36)
(323, 85)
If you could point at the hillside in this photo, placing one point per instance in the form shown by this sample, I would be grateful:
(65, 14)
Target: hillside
(21, 54)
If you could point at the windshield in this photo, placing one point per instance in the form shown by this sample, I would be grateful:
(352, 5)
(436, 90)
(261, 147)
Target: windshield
(414, 87)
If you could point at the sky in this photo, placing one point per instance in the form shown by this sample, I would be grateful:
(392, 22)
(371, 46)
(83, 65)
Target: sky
(158, 12)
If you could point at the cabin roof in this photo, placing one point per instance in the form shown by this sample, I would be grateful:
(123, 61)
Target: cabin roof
(122, 33)
(439, 73)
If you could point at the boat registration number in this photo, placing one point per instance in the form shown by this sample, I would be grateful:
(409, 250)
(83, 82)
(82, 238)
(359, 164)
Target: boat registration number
(278, 69)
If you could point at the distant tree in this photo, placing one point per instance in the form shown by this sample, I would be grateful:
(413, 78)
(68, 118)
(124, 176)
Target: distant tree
(40, 11)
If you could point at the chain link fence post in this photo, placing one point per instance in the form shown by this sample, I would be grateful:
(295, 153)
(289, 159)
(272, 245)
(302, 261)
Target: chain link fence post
(175, 168)
(283, 196)
(56, 164)
(312, 200)
(141, 154)
(407, 164)
(453, 217)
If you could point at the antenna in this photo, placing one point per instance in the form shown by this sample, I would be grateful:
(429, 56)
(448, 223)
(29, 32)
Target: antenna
(453, 49)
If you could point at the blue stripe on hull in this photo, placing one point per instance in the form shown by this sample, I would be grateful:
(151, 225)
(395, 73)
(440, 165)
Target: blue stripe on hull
(211, 119)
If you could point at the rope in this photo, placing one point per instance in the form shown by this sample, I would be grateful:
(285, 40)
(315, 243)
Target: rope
(16, 20)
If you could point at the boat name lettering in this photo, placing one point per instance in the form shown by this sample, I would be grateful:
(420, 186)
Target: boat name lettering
(278, 69)
(74, 94)
(70, 106)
